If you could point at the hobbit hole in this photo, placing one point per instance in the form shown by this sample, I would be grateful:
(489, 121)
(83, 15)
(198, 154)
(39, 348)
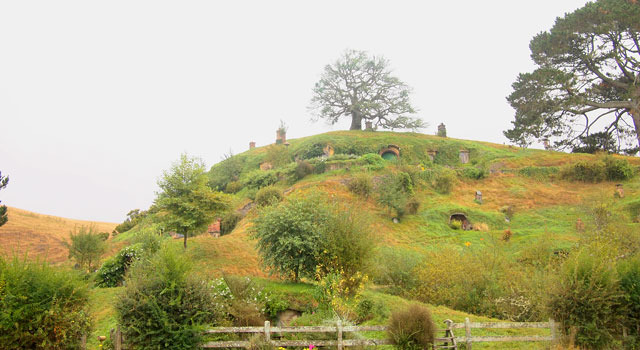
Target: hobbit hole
(392, 152)
(462, 218)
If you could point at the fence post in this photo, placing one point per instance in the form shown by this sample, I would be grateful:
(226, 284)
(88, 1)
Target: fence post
(267, 331)
(467, 332)
(339, 334)
(552, 328)
(118, 343)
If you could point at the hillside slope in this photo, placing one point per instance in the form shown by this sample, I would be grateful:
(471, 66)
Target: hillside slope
(41, 236)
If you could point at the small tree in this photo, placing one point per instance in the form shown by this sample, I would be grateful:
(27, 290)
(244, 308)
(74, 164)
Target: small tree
(4, 180)
(86, 247)
(185, 202)
(362, 87)
(289, 235)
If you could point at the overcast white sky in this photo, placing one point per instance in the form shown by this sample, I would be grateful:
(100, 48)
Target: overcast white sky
(97, 98)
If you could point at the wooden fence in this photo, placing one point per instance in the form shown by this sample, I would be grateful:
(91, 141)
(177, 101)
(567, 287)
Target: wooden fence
(449, 341)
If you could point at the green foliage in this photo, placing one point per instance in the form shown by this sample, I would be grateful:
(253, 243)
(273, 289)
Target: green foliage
(133, 218)
(604, 169)
(455, 224)
(185, 202)
(539, 173)
(586, 299)
(289, 235)
(395, 192)
(361, 185)
(444, 181)
(303, 168)
(233, 187)
(164, 300)
(565, 86)
(372, 161)
(42, 307)
(112, 271)
(633, 208)
(384, 102)
(395, 269)
(258, 179)
(629, 274)
(474, 173)
(278, 155)
(229, 221)
(227, 171)
(246, 305)
(86, 247)
(268, 196)
(413, 205)
(448, 154)
(411, 328)
(4, 180)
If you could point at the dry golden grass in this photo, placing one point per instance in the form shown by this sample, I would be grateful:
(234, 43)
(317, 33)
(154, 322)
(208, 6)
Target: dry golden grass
(41, 236)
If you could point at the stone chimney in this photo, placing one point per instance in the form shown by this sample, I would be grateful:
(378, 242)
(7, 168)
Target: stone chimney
(442, 130)
(252, 145)
(281, 136)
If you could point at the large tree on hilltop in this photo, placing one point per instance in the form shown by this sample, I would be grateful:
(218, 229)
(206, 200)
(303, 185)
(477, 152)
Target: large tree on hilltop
(4, 180)
(361, 87)
(587, 79)
(186, 203)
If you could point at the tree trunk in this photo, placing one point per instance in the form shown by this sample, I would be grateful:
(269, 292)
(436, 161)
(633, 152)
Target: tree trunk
(185, 240)
(635, 114)
(356, 121)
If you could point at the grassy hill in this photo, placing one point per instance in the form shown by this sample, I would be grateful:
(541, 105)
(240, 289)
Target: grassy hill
(41, 236)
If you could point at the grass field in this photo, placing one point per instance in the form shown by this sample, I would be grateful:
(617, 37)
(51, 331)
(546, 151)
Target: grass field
(41, 236)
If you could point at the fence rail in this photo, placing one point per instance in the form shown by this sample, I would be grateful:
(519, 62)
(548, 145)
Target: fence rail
(340, 342)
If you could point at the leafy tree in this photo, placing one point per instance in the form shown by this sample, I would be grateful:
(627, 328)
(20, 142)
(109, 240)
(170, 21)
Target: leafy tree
(185, 203)
(133, 218)
(290, 234)
(4, 180)
(362, 87)
(588, 77)
(86, 247)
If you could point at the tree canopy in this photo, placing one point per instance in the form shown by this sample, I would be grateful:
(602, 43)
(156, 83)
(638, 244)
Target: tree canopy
(587, 80)
(361, 87)
(186, 203)
(4, 180)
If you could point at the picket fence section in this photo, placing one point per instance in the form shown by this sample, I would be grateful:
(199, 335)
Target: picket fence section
(449, 341)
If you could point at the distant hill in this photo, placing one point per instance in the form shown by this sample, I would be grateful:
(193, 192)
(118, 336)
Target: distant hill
(41, 236)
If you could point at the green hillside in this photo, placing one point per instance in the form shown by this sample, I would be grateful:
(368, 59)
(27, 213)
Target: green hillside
(533, 211)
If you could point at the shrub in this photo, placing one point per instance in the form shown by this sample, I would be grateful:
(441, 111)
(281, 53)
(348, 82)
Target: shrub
(86, 247)
(303, 168)
(629, 273)
(586, 298)
(395, 192)
(444, 181)
(372, 161)
(361, 185)
(455, 224)
(103, 235)
(413, 204)
(163, 299)
(278, 155)
(474, 173)
(412, 328)
(258, 179)
(229, 222)
(245, 307)
(395, 269)
(112, 271)
(604, 169)
(539, 173)
(268, 195)
(233, 187)
(42, 307)
(506, 235)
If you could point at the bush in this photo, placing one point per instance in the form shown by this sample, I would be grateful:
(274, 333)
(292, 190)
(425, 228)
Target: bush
(112, 271)
(629, 273)
(278, 155)
(444, 181)
(233, 187)
(395, 192)
(229, 222)
(455, 224)
(413, 205)
(372, 161)
(303, 168)
(268, 196)
(395, 269)
(411, 329)
(86, 247)
(605, 169)
(258, 179)
(474, 173)
(163, 304)
(361, 185)
(42, 307)
(586, 299)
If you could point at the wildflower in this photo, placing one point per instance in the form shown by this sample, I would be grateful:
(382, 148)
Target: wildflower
(467, 243)
(311, 346)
